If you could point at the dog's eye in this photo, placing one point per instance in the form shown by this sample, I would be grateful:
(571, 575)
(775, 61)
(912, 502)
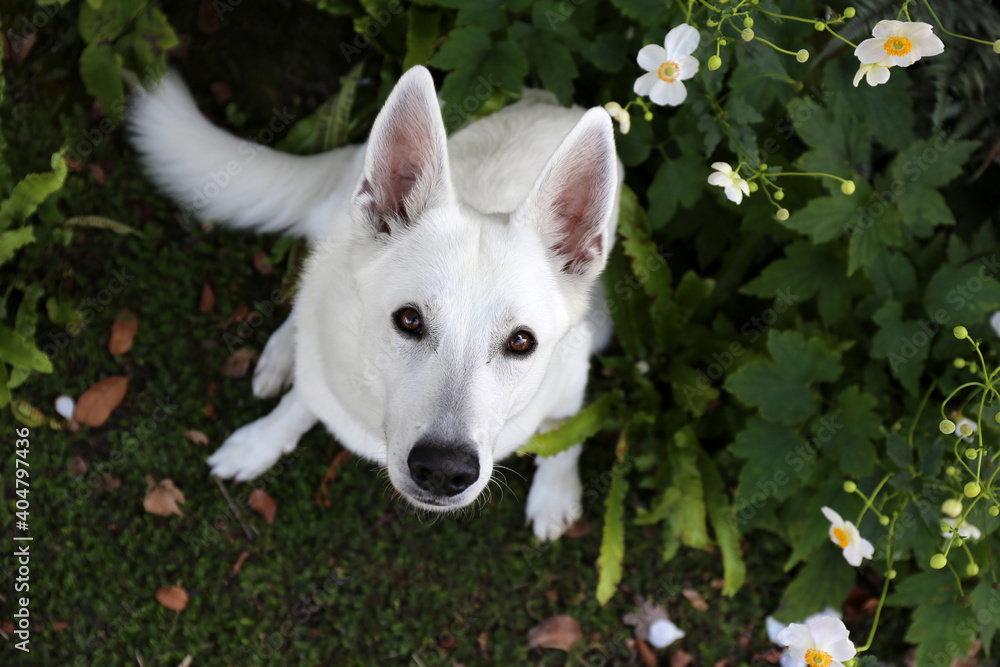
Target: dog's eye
(521, 342)
(408, 321)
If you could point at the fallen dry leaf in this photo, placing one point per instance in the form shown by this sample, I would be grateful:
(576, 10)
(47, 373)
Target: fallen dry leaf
(77, 466)
(723, 662)
(97, 172)
(242, 310)
(21, 46)
(262, 263)
(695, 598)
(7, 628)
(174, 598)
(122, 332)
(559, 632)
(578, 529)
(238, 363)
(162, 497)
(207, 301)
(110, 483)
(239, 563)
(186, 662)
(197, 437)
(680, 658)
(646, 653)
(221, 91)
(98, 402)
(263, 504)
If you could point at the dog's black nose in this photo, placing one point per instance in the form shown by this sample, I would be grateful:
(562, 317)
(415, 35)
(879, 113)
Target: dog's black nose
(444, 470)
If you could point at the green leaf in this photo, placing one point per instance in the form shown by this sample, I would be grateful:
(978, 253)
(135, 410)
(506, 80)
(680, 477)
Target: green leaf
(848, 434)
(102, 74)
(964, 294)
(27, 414)
(609, 563)
(550, 58)
(61, 312)
(11, 241)
(648, 266)
(4, 389)
(741, 113)
(628, 305)
(27, 312)
(893, 276)
(782, 388)
(103, 22)
(825, 218)
(835, 132)
(823, 581)
(931, 163)
(327, 127)
(905, 344)
(100, 222)
(870, 236)
(770, 450)
(806, 271)
(688, 518)
(677, 182)
(726, 535)
(584, 424)
(691, 390)
(152, 37)
(985, 606)
(17, 351)
(478, 66)
(488, 14)
(607, 52)
(922, 209)
(647, 12)
(898, 450)
(422, 35)
(692, 292)
(29, 194)
(941, 627)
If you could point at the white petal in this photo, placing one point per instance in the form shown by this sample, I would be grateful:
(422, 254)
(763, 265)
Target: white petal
(831, 516)
(905, 61)
(668, 94)
(787, 660)
(645, 83)
(726, 169)
(733, 193)
(774, 627)
(860, 74)
(65, 406)
(928, 45)
(826, 631)
(744, 186)
(681, 41)
(877, 74)
(842, 650)
(871, 51)
(721, 180)
(664, 633)
(888, 28)
(866, 548)
(852, 554)
(688, 66)
(651, 57)
(796, 636)
(995, 323)
(913, 29)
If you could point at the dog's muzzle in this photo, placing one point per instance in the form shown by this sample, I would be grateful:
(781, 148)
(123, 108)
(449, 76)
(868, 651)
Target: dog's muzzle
(443, 469)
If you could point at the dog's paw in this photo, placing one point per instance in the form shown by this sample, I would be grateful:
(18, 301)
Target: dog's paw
(555, 500)
(248, 453)
(275, 367)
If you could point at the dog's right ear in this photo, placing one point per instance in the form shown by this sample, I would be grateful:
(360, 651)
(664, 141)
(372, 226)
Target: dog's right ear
(406, 163)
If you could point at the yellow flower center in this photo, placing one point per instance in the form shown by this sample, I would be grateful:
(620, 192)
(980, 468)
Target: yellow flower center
(897, 46)
(842, 540)
(669, 71)
(817, 658)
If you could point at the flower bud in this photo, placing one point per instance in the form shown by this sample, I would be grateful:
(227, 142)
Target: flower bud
(849, 13)
(938, 561)
(850, 486)
(971, 453)
(648, 116)
(951, 471)
(965, 429)
(960, 332)
(973, 368)
(951, 507)
(748, 22)
(819, 25)
(782, 214)
(972, 490)
(753, 187)
(994, 511)
(960, 363)
(958, 540)
(892, 574)
(996, 46)
(711, 23)
(847, 187)
(763, 166)
(779, 195)
(972, 569)
(714, 63)
(884, 520)
(746, 34)
(996, 418)
(613, 108)
(802, 55)
(947, 426)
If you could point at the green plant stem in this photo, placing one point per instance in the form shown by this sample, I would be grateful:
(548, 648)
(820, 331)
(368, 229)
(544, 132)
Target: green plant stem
(843, 39)
(785, 16)
(869, 501)
(948, 32)
(776, 48)
(920, 411)
(885, 586)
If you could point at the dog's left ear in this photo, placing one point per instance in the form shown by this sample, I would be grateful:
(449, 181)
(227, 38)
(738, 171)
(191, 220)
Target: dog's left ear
(572, 201)
(406, 162)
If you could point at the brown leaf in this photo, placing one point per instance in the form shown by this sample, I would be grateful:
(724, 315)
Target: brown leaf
(186, 662)
(723, 662)
(263, 504)
(110, 483)
(242, 310)
(197, 437)
(646, 653)
(207, 301)
(209, 20)
(77, 466)
(559, 632)
(221, 91)
(122, 332)
(578, 529)
(695, 598)
(238, 363)
(21, 45)
(97, 172)
(680, 658)
(262, 263)
(73, 165)
(174, 598)
(162, 497)
(239, 563)
(98, 402)
(342, 457)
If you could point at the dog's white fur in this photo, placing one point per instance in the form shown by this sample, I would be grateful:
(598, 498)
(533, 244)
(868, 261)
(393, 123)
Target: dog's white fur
(504, 227)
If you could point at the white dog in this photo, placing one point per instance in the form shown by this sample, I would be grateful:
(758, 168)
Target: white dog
(451, 300)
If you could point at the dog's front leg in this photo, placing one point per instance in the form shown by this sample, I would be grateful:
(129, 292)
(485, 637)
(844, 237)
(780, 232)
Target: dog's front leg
(555, 500)
(276, 366)
(254, 448)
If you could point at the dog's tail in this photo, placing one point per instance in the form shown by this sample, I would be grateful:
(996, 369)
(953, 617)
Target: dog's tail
(216, 175)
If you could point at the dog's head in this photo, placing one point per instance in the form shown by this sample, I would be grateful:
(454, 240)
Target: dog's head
(463, 311)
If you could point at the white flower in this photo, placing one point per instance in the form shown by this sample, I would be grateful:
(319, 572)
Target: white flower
(846, 536)
(664, 633)
(995, 322)
(729, 180)
(902, 43)
(874, 73)
(971, 424)
(820, 642)
(964, 529)
(65, 406)
(667, 67)
(616, 111)
(775, 628)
